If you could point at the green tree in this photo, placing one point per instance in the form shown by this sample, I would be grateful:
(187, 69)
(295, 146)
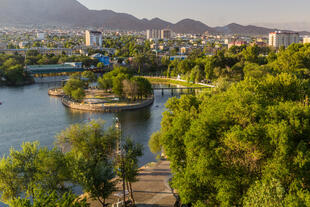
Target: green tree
(92, 148)
(265, 193)
(100, 65)
(32, 168)
(78, 94)
(127, 164)
(74, 88)
(49, 199)
(91, 76)
(144, 87)
(246, 145)
(105, 83)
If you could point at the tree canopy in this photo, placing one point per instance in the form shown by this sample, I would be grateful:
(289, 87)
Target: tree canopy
(122, 83)
(245, 146)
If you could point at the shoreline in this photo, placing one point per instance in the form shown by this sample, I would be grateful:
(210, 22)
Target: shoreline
(108, 109)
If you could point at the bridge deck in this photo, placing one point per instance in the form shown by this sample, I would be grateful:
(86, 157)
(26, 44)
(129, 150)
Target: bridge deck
(185, 88)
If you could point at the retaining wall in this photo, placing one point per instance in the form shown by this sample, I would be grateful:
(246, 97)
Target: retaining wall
(101, 108)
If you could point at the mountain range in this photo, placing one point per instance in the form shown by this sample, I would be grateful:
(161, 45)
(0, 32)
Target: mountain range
(73, 13)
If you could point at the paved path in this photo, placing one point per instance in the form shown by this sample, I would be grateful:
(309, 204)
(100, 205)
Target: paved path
(152, 189)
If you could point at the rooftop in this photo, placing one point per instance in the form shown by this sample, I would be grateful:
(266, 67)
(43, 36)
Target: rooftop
(283, 32)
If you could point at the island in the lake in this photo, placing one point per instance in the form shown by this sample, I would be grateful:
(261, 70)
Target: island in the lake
(115, 91)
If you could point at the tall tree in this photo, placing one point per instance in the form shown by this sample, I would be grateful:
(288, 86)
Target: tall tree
(92, 149)
(127, 165)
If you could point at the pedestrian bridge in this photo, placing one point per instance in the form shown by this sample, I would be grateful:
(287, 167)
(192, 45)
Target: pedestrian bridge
(48, 69)
(181, 90)
(61, 68)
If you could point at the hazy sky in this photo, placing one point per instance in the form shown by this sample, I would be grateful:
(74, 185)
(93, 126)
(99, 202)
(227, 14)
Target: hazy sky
(211, 12)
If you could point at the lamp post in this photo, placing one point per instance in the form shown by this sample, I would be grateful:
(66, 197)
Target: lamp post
(120, 152)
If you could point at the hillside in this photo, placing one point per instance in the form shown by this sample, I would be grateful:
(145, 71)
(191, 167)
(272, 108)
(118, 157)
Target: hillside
(71, 12)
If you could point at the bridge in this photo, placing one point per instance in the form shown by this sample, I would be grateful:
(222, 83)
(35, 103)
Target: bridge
(181, 90)
(62, 68)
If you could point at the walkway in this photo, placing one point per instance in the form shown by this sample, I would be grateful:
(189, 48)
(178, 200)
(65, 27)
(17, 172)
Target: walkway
(152, 189)
(177, 79)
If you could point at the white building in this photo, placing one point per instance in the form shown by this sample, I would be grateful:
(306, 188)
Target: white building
(306, 39)
(40, 36)
(278, 39)
(93, 38)
(23, 44)
(153, 34)
(156, 34)
(165, 34)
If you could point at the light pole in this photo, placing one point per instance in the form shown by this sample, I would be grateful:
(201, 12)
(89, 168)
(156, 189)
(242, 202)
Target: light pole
(121, 154)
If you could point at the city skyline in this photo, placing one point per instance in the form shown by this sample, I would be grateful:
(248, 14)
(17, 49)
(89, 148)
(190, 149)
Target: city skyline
(219, 13)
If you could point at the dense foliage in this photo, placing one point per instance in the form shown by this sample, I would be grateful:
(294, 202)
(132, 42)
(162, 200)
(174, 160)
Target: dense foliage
(90, 149)
(74, 87)
(34, 58)
(122, 83)
(12, 70)
(247, 144)
(23, 173)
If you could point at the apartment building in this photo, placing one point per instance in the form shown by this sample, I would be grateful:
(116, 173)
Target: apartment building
(93, 38)
(278, 38)
(158, 34)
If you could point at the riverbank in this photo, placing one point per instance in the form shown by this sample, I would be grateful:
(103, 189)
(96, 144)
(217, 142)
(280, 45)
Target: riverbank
(58, 92)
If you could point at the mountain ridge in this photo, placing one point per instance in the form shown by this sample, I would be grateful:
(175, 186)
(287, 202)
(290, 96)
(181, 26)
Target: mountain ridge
(72, 12)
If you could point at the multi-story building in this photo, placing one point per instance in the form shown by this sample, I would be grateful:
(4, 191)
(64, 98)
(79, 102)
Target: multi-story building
(237, 43)
(153, 34)
(278, 38)
(40, 36)
(306, 39)
(165, 34)
(158, 34)
(93, 38)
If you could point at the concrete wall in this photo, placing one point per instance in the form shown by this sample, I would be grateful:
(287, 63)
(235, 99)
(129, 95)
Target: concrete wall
(102, 108)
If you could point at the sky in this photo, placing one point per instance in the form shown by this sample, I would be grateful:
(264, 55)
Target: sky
(212, 12)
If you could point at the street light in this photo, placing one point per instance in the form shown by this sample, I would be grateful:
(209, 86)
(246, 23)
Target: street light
(120, 152)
